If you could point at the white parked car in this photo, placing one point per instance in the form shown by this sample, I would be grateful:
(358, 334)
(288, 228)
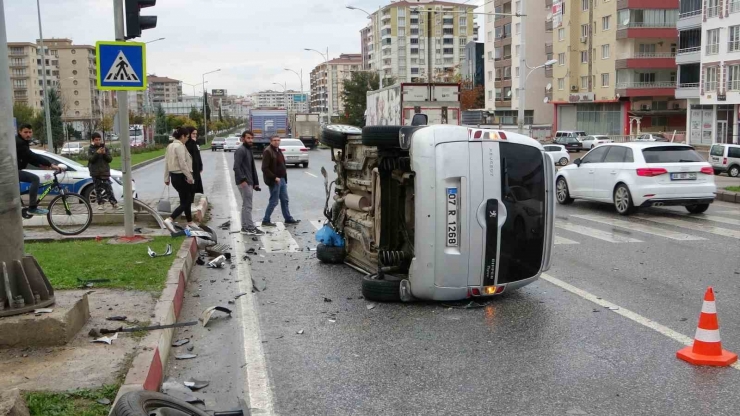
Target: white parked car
(558, 153)
(232, 143)
(76, 178)
(72, 148)
(725, 158)
(631, 175)
(589, 142)
(295, 152)
(652, 137)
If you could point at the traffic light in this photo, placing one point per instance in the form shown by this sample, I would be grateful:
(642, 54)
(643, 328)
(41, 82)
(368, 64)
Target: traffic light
(136, 23)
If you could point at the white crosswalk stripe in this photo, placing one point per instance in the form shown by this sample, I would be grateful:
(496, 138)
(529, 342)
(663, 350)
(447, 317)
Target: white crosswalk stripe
(723, 220)
(692, 226)
(635, 226)
(564, 241)
(735, 212)
(595, 233)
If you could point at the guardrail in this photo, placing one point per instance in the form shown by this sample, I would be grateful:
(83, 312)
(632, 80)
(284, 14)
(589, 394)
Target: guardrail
(657, 84)
(688, 50)
(647, 55)
(647, 25)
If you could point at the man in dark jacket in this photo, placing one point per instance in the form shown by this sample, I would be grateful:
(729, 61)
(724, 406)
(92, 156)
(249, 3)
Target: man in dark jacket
(98, 161)
(26, 156)
(245, 173)
(276, 178)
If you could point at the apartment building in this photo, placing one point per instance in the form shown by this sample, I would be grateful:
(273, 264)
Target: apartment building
(708, 59)
(408, 39)
(164, 90)
(290, 100)
(616, 72)
(504, 46)
(473, 65)
(327, 83)
(26, 73)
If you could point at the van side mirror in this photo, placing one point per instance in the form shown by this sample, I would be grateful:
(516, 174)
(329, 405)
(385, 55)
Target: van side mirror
(419, 120)
(577, 162)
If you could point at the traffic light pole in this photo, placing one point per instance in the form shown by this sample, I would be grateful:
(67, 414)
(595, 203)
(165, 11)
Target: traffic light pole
(122, 97)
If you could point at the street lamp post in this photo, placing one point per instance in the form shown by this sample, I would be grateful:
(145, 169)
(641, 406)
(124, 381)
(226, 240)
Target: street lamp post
(205, 103)
(285, 89)
(523, 92)
(155, 40)
(47, 110)
(299, 76)
(328, 98)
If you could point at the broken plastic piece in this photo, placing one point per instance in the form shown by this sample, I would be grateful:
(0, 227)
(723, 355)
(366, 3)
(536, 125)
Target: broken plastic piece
(116, 318)
(194, 384)
(167, 252)
(178, 391)
(185, 356)
(218, 262)
(45, 310)
(208, 313)
(180, 342)
(370, 306)
(106, 340)
(200, 261)
(300, 332)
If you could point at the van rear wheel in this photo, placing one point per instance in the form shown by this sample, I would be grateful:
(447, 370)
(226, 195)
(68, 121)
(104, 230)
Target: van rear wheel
(734, 171)
(329, 254)
(335, 135)
(381, 136)
(387, 289)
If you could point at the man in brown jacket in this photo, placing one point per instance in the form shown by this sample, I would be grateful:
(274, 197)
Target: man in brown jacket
(275, 175)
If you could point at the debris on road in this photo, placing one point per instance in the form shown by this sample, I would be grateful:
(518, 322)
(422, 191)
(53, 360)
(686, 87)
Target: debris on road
(300, 332)
(106, 340)
(225, 226)
(143, 328)
(103, 401)
(180, 342)
(218, 262)
(252, 251)
(179, 391)
(45, 310)
(116, 318)
(327, 300)
(208, 313)
(371, 305)
(194, 384)
(185, 356)
(200, 261)
(240, 295)
(167, 252)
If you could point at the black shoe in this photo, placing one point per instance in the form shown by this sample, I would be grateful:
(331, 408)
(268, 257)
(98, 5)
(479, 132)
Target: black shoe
(293, 222)
(268, 224)
(256, 231)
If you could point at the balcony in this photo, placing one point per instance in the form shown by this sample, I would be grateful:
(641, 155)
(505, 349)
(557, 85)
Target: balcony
(734, 6)
(688, 55)
(506, 103)
(647, 4)
(548, 26)
(548, 48)
(689, 19)
(647, 30)
(646, 60)
(646, 89)
(687, 90)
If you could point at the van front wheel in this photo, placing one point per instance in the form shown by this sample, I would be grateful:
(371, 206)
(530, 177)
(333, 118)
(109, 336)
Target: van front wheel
(387, 289)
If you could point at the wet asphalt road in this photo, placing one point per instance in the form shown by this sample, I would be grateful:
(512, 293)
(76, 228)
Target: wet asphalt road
(537, 351)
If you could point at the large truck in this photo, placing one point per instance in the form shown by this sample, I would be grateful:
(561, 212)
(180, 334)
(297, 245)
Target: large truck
(396, 105)
(266, 123)
(307, 128)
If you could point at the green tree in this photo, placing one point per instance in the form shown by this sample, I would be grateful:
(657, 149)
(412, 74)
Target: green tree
(355, 95)
(161, 120)
(106, 124)
(57, 126)
(23, 113)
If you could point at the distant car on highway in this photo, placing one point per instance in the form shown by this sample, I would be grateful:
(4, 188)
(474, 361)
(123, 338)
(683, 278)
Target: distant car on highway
(218, 143)
(231, 144)
(632, 175)
(589, 142)
(558, 153)
(295, 152)
(72, 149)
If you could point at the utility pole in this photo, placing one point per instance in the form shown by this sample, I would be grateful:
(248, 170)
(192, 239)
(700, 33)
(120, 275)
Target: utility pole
(122, 97)
(522, 68)
(47, 110)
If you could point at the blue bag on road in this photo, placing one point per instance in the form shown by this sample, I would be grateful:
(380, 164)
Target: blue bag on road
(327, 236)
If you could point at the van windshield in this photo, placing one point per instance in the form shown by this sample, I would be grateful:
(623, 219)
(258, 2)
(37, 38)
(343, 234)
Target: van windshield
(717, 150)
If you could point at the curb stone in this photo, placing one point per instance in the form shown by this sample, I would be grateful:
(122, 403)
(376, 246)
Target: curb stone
(147, 368)
(728, 196)
(146, 163)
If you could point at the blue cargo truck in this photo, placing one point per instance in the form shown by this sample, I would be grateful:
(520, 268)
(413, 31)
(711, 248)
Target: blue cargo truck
(265, 123)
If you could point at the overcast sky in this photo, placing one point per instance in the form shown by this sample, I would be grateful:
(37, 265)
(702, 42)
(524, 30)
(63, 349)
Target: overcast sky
(250, 40)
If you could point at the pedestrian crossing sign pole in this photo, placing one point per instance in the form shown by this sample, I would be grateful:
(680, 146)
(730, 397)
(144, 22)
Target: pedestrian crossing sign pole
(121, 66)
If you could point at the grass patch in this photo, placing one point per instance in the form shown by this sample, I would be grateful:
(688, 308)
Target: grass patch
(137, 158)
(77, 403)
(127, 266)
(733, 188)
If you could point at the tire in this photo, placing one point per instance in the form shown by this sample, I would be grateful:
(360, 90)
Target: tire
(145, 403)
(623, 200)
(697, 209)
(717, 172)
(335, 135)
(381, 136)
(89, 194)
(305, 164)
(385, 290)
(562, 194)
(59, 218)
(733, 171)
(563, 161)
(330, 255)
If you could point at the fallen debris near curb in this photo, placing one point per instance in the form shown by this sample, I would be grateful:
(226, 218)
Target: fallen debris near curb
(167, 252)
(208, 313)
(181, 342)
(194, 384)
(185, 356)
(143, 328)
(178, 391)
(106, 340)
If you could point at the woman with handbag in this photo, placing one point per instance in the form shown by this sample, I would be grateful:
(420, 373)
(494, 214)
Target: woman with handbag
(192, 146)
(178, 170)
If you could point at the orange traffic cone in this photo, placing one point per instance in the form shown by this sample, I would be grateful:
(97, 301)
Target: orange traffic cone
(707, 348)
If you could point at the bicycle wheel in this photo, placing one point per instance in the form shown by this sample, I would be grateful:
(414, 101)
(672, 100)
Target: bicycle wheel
(69, 214)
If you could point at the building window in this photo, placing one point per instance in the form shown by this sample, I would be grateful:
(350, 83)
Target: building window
(517, 72)
(606, 22)
(734, 39)
(584, 57)
(604, 80)
(518, 28)
(710, 78)
(584, 31)
(518, 6)
(734, 77)
(712, 42)
(517, 50)
(584, 83)
(490, 93)
(561, 84)
(490, 36)
(463, 41)
(490, 75)
(584, 5)
(712, 8)
(561, 59)
(463, 21)
(605, 51)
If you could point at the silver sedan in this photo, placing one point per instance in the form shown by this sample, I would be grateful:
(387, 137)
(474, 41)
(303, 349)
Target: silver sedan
(294, 151)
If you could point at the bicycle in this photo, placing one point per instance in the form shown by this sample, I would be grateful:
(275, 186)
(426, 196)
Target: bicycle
(69, 213)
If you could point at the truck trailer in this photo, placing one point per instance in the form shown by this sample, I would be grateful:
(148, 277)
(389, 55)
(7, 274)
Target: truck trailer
(307, 128)
(266, 123)
(397, 104)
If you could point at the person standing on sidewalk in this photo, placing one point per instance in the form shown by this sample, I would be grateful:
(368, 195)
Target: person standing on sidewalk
(98, 162)
(178, 170)
(276, 178)
(192, 146)
(245, 173)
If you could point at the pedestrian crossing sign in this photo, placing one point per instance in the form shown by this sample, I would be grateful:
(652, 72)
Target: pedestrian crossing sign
(121, 66)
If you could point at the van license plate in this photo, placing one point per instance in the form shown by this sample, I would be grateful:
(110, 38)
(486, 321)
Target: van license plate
(689, 176)
(453, 226)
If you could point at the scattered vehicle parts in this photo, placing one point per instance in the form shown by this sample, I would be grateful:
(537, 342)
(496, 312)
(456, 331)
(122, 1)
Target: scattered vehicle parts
(145, 328)
(194, 384)
(177, 390)
(144, 402)
(116, 318)
(217, 263)
(181, 342)
(208, 313)
(185, 356)
(106, 340)
(152, 254)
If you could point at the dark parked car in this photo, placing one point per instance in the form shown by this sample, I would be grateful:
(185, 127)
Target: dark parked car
(571, 144)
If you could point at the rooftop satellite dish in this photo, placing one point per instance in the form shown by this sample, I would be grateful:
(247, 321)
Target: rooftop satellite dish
(548, 87)
(545, 100)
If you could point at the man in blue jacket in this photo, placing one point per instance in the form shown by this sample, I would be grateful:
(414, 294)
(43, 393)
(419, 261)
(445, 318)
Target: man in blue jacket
(245, 173)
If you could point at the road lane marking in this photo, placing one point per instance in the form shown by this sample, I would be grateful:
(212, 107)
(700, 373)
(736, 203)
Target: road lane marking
(594, 233)
(647, 229)
(692, 226)
(635, 317)
(729, 212)
(723, 220)
(257, 380)
(278, 240)
(562, 240)
(311, 174)
(317, 224)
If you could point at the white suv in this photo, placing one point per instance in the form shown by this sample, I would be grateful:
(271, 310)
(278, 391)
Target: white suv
(725, 158)
(631, 175)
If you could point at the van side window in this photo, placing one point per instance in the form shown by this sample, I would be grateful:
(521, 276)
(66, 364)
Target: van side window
(616, 154)
(595, 156)
(734, 152)
(718, 150)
